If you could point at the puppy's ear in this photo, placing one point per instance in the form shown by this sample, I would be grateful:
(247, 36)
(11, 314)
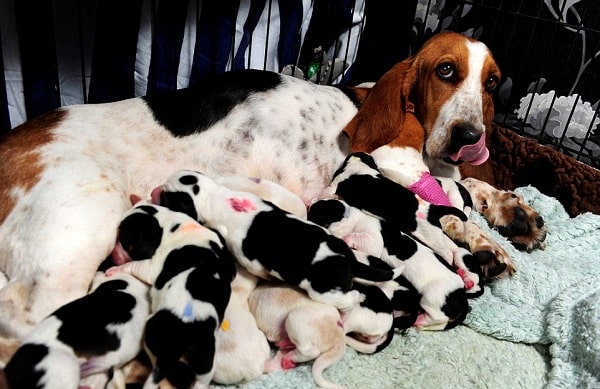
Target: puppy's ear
(381, 116)
(134, 198)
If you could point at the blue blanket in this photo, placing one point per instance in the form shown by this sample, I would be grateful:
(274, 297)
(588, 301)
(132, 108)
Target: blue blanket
(554, 298)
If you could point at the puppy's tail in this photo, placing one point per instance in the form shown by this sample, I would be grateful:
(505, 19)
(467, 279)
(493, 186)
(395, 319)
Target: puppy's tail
(327, 359)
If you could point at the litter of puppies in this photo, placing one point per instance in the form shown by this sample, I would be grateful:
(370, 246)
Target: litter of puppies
(234, 278)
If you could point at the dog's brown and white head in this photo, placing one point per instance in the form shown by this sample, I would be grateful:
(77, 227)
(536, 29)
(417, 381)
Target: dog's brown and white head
(508, 213)
(450, 82)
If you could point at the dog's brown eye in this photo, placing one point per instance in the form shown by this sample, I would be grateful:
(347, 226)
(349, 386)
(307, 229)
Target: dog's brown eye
(484, 204)
(445, 71)
(491, 84)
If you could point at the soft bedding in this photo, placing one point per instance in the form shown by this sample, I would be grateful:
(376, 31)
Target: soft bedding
(539, 328)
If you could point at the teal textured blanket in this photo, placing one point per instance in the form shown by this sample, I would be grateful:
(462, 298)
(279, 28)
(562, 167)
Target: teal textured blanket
(539, 328)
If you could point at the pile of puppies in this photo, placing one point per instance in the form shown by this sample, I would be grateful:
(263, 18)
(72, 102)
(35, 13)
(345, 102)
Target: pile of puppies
(212, 270)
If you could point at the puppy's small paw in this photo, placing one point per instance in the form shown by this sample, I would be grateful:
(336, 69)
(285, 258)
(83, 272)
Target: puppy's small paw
(111, 271)
(287, 362)
(473, 282)
(469, 283)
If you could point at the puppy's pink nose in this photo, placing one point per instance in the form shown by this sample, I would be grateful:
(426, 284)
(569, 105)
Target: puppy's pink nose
(155, 195)
(120, 255)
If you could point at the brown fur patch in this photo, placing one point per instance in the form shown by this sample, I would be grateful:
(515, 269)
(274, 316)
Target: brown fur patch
(18, 152)
(8, 347)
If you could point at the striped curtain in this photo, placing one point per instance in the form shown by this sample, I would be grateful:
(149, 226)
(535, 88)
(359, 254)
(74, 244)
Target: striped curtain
(64, 52)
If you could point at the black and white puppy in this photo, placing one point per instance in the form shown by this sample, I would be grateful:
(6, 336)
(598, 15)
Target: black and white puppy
(268, 241)
(360, 184)
(191, 272)
(369, 325)
(93, 334)
(442, 290)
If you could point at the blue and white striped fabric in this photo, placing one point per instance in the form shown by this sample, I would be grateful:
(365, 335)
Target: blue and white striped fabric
(94, 51)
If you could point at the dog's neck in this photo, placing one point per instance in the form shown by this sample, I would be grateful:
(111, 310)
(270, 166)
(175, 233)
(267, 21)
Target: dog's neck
(441, 168)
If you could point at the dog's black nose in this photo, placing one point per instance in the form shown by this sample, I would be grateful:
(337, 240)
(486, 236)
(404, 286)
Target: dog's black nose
(464, 134)
(539, 222)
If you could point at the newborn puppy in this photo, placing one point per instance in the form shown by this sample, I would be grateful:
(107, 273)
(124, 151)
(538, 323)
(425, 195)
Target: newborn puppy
(369, 325)
(93, 334)
(302, 328)
(442, 290)
(242, 348)
(191, 273)
(268, 241)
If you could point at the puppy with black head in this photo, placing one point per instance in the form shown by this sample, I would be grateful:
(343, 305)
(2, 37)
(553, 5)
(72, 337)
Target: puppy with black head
(361, 185)
(442, 290)
(191, 272)
(369, 325)
(96, 333)
(268, 241)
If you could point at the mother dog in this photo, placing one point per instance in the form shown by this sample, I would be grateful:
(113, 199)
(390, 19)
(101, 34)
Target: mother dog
(67, 175)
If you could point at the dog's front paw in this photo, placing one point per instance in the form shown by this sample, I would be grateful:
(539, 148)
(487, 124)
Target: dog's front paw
(491, 257)
(508, 213)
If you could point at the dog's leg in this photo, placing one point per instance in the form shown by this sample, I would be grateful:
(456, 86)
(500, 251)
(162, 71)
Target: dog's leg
(495, 261)
(58, 250)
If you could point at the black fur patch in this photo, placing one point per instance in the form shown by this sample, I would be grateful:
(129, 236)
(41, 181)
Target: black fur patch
(171, 340)
(325, 212)
(437, 211)
(394, 203)
(179, 202)
(186, 111)
(375, 299)
(85, 321)
(465, 195)
(456, 308)
(291, 254)
(21, 371)
(140, 234)
(397, 243)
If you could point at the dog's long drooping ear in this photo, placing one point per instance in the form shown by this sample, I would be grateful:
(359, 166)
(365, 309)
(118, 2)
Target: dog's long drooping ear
(380, 119)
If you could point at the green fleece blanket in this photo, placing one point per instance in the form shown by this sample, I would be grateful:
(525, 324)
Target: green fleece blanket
(539, 328)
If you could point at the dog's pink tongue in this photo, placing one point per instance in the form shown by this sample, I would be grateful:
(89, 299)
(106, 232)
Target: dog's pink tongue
(475, 154)
(119, 255)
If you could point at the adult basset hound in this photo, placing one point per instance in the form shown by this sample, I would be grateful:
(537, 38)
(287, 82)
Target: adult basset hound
(67, 175)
